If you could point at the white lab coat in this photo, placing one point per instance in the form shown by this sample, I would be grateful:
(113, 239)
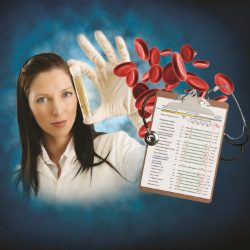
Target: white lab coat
(126, 154)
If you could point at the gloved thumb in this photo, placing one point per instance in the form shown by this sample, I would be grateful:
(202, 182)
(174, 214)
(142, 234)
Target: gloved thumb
(97, 116)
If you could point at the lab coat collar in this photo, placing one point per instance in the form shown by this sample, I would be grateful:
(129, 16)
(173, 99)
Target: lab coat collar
(44, 159)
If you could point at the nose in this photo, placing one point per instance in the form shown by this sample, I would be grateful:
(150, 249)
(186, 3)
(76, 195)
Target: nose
(57, 108)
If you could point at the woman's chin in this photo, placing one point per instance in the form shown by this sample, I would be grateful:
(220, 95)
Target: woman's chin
(59, 133)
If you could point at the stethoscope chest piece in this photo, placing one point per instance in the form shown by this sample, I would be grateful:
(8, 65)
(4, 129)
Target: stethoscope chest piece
(151, 138)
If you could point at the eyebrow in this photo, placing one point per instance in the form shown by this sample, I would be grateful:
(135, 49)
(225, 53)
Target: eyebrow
(70, 87)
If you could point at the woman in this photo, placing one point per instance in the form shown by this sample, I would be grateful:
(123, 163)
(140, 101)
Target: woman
(64, 159)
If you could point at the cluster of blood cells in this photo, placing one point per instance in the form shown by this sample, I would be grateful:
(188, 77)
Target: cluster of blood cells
(171, 74)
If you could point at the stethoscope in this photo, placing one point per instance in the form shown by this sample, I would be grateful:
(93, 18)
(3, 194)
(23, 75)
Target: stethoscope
(151, 137)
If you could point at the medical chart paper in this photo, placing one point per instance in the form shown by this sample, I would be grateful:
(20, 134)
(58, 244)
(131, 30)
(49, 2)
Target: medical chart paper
(184, 161)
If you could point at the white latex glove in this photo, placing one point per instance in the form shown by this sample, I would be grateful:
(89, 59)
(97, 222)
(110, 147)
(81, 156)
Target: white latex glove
(116, 96)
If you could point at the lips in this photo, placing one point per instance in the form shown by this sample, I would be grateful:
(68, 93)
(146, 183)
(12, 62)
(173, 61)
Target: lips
(59, 123)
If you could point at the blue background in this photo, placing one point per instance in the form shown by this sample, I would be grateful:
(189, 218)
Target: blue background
(219, 32)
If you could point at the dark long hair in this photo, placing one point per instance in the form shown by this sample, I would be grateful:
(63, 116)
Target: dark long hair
(31, 133)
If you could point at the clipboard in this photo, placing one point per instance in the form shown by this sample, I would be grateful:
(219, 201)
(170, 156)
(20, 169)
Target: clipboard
(184, 162)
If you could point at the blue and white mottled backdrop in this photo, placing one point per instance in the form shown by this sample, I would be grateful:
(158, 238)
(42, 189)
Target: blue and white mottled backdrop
(219, 31)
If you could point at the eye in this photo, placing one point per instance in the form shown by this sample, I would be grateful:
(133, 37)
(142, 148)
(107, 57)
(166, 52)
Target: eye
(42, 99)
(67, 94)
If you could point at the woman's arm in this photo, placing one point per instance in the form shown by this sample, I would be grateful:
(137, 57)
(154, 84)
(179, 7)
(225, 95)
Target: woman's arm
(129, 155)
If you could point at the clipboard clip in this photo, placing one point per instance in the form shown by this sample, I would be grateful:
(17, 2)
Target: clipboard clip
(191, 102)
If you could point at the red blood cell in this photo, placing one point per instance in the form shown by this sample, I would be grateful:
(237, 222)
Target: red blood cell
(138, 89)
(179, 67)
(132, 77)
(142, 131)
(201, 64)
(166, 52)
(168, 75)
(197, 83)
(170, 87)
(141, 48)
(190, 74)
(221, 98)
(187, 52)
(155, 73)
(149, 107)
(146, 114)
(154, 56)
(140, 99)
(225, 83)
(149, 102)
(187, 90)
(123, 68)
(145, 77)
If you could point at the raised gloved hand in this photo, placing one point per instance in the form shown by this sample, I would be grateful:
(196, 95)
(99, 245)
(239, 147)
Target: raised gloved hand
(116, 96)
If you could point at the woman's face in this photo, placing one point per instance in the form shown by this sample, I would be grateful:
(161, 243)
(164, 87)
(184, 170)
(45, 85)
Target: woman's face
(53, 102)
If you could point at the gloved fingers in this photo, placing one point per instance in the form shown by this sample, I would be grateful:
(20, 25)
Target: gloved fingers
(85, 69)
(90, 51)
(99, 115)
(122, 48)
(130, 102)
(106, 46)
